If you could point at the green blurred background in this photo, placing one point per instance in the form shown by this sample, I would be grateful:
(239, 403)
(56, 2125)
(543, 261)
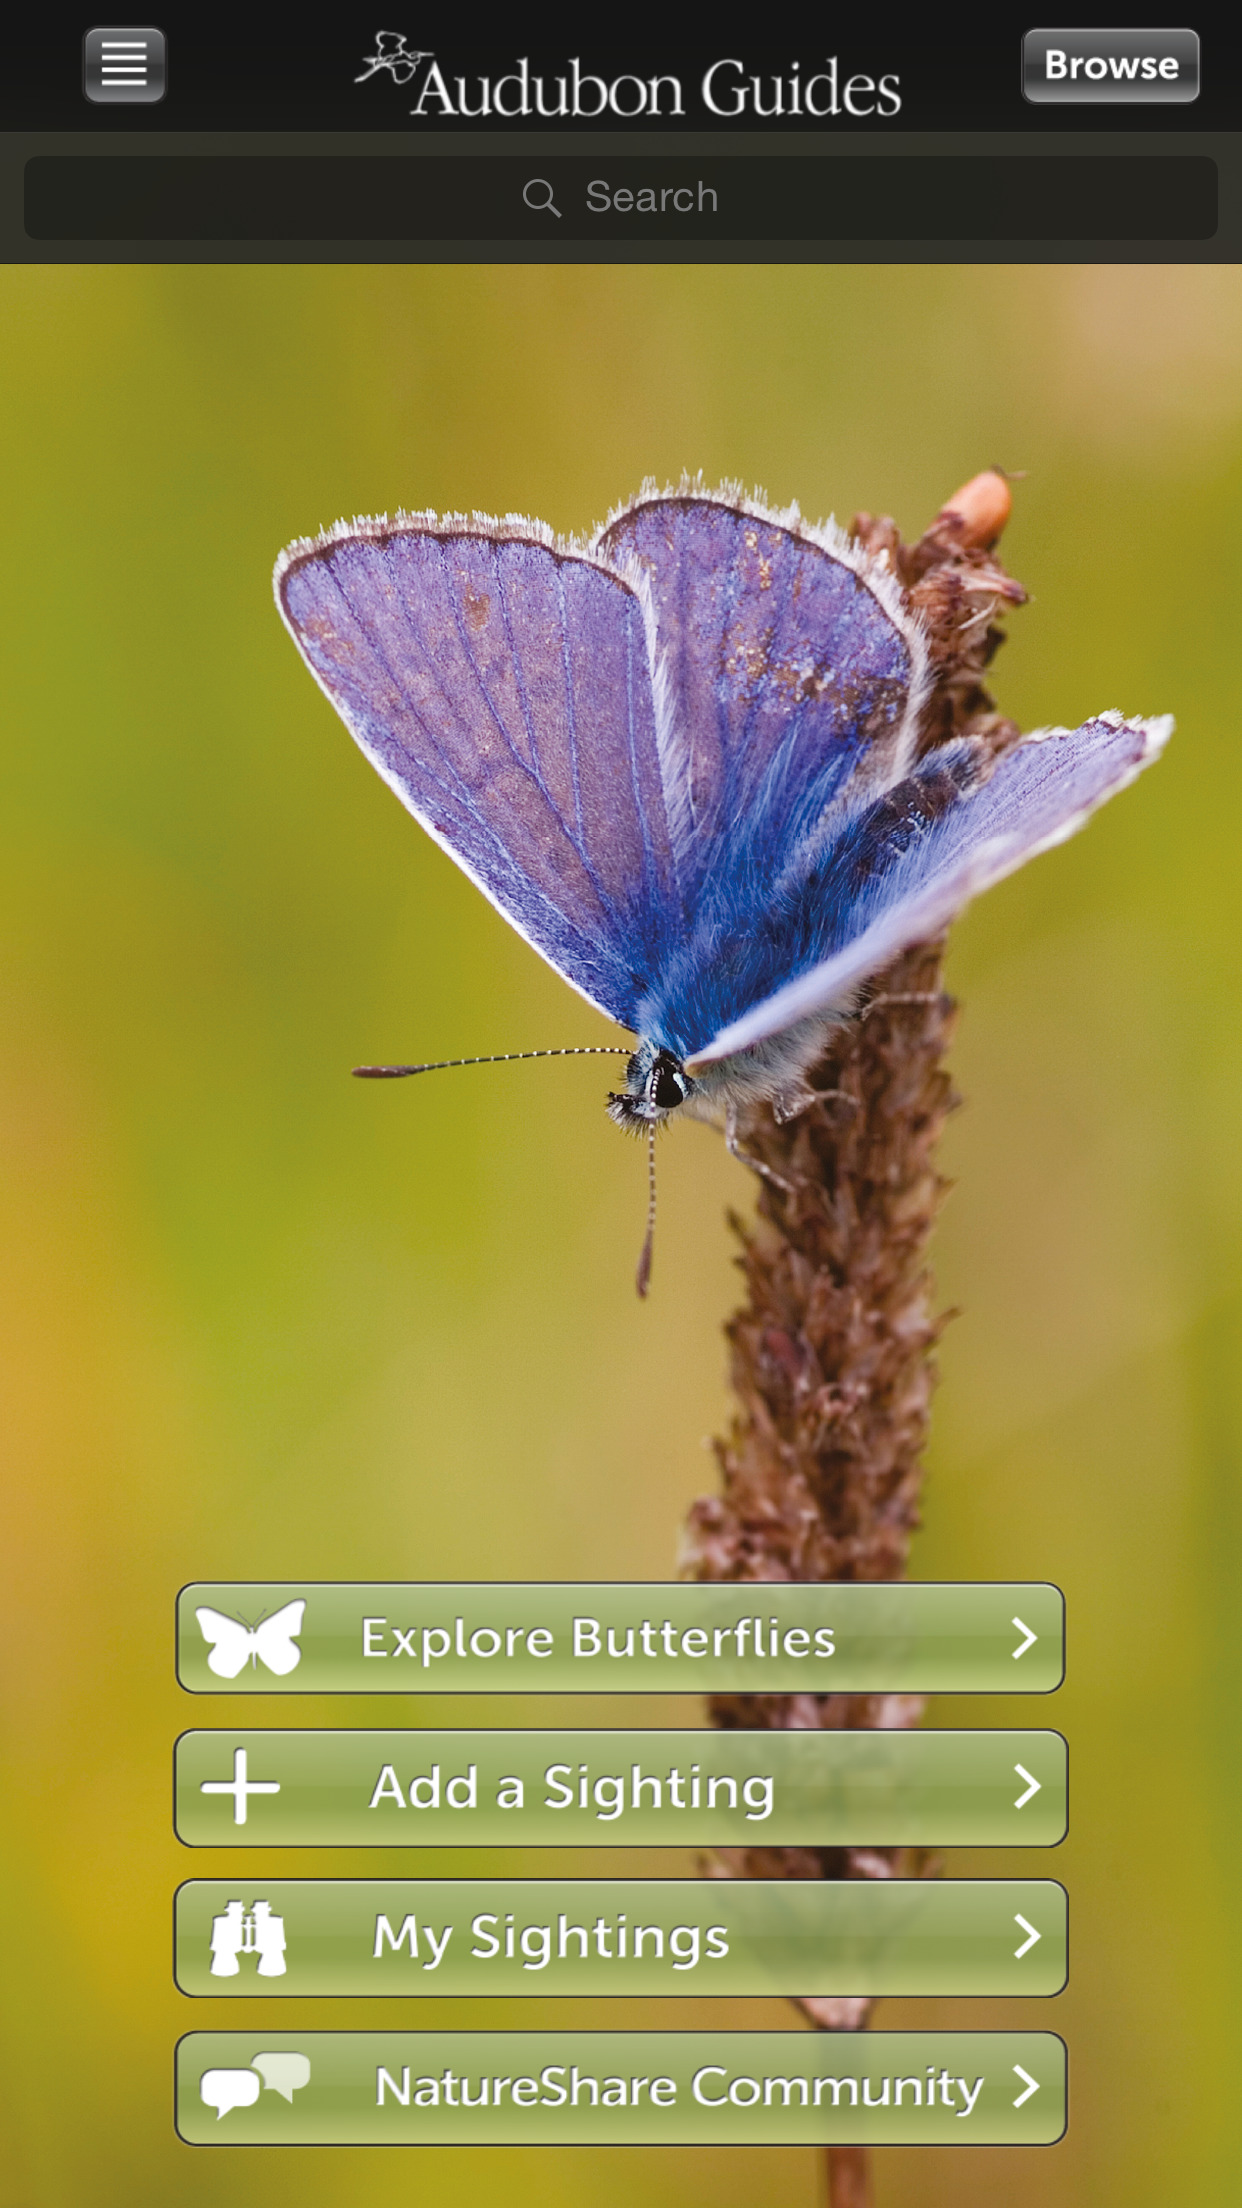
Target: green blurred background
(263, 1321)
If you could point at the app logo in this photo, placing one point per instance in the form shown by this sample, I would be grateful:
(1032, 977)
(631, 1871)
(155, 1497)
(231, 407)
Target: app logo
(392, 53)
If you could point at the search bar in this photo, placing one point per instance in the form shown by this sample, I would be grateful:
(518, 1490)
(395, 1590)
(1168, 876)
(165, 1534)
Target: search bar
(735, 198)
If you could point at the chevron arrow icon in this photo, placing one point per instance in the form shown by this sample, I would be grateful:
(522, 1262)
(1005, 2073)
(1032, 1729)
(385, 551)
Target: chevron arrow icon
(1028, 1642)
(1033, 1786)
(1029, 1941)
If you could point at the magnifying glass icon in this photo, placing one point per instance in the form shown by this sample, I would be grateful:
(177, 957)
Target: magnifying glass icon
(541, 206)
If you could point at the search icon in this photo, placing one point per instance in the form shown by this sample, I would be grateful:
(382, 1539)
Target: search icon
(541, 206)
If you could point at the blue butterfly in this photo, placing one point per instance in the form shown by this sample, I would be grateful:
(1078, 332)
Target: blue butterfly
(682, 759)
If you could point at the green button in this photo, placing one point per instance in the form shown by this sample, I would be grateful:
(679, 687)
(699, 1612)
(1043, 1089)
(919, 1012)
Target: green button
(308, 1637)
(505, 1936)
(902, 2089)
(700, 1788)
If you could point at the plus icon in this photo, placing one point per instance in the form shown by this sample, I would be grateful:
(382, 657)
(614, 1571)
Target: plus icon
(239, 1786)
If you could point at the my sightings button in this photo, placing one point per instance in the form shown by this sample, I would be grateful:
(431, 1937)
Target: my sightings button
(1077, 67)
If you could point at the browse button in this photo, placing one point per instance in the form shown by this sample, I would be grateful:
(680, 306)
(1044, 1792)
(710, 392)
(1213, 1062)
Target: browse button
(1116, 67)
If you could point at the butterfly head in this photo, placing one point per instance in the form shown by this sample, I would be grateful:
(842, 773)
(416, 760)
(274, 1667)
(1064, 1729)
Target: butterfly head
(656, 1083)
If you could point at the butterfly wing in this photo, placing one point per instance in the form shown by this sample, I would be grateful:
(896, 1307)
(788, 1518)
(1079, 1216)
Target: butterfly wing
(274, 1639)
(899, 869)
(230, 1643)
(787, 663)
(502, 686)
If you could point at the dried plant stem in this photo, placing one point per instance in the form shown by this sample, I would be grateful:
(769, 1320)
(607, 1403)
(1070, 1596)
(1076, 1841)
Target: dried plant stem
(849, 2178)
(831, 1349)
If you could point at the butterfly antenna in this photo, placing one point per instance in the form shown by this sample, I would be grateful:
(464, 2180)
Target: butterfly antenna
(494, 1058)
(643, 1277)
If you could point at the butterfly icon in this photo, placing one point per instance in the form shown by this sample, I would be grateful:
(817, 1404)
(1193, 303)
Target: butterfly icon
(270, 1642)
(683, 759)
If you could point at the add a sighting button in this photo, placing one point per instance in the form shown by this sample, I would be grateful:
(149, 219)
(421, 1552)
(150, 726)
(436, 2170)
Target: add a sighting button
(1114, 67)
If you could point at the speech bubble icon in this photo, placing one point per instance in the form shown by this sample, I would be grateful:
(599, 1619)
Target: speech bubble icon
(285, 2074)
(226, 2089)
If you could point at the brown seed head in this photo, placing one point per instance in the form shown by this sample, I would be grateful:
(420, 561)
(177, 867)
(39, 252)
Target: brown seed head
(980, 509)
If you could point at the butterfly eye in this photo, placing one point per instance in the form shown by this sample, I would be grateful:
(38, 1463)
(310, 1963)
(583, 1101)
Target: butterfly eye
(667, 1087)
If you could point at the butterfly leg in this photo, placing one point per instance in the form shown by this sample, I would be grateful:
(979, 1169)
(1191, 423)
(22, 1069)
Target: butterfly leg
(794, 1102)
(735, 1150)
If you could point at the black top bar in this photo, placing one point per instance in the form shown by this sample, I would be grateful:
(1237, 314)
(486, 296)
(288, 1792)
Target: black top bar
(226, 74)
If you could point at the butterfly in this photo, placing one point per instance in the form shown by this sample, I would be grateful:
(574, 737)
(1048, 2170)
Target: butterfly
(682, 759)
(271, 1641)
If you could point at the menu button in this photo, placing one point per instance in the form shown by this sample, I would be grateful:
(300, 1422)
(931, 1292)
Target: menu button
(124, 67)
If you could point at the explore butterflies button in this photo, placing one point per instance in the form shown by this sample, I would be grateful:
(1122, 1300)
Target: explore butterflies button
(271, 1637)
